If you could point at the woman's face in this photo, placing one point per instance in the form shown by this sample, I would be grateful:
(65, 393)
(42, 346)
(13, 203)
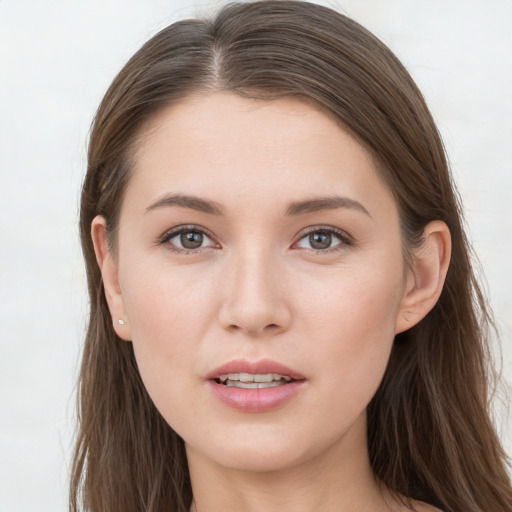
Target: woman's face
(256, 238)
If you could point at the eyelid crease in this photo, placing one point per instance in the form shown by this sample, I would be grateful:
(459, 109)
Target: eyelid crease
(330, 229)
(346, 240)
(171, 233)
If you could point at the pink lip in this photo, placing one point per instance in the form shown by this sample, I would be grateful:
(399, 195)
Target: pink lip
(255, 400)
(261, 367)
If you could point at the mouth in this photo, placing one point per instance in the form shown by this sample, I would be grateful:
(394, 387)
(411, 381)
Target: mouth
(254, 381)
(255, 386)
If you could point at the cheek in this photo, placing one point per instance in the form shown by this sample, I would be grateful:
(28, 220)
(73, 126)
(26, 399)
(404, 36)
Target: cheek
(169, 314)
(357, 303)
(354, 320)
(166, 301)
(341, 334)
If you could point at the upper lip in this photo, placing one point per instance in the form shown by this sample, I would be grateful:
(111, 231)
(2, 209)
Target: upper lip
(261, 367)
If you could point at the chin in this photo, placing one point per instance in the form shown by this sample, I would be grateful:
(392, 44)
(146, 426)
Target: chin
(259, 452)
(254, 461)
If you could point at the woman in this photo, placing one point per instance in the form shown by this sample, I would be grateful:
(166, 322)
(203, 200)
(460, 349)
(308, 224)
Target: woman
(283, 311)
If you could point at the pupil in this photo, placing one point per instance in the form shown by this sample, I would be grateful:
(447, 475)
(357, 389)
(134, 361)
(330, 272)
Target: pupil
(191, 239)
(320, 240)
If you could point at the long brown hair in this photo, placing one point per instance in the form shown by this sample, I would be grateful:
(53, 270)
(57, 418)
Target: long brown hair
(430, 435)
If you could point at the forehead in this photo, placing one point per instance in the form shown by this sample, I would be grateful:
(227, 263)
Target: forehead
(229, 146)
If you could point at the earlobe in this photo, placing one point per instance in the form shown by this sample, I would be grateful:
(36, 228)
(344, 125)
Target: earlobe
(109, 273)
(426, 277)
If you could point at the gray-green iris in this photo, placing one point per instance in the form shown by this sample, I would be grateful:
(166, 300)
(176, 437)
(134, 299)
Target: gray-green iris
(191, 239)
(320, 240)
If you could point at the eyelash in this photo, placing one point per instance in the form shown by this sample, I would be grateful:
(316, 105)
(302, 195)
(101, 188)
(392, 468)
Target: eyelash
(345, 239)
(166, 237)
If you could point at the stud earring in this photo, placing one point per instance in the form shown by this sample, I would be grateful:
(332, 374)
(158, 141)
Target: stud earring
(121, 322)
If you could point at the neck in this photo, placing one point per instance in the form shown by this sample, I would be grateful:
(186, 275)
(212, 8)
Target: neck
(338, 480)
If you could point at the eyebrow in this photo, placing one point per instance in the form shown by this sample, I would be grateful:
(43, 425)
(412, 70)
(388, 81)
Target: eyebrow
(295, 208)
(186, 201)
(325, 203)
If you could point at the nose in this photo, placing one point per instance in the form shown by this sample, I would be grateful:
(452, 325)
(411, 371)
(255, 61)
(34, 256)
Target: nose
(255, 299)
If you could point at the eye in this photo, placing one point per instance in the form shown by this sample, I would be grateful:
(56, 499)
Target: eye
(323, 239)
(187, 239)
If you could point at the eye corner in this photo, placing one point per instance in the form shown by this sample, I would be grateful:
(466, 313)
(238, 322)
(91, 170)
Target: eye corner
(165, 240)
(345, 240)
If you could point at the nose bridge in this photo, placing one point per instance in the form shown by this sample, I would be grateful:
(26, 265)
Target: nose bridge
(254, 299)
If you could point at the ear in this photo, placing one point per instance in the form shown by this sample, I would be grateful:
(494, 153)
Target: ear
(425, 278)
(109, 272)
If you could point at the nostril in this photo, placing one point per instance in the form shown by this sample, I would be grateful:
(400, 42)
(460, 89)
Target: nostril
(269, 327)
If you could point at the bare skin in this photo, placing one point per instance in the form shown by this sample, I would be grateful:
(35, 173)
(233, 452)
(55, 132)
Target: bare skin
(325, 485)
(322, 290)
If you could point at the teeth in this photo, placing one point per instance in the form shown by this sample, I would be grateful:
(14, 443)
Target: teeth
(273, 379)
(254, 385)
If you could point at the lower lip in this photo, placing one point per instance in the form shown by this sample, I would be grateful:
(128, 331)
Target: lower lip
(255, 400)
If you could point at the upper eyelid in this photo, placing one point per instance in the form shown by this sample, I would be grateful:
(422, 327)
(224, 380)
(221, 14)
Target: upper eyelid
(313, 229)
(171, 233)
(320, 227)
(305, 231)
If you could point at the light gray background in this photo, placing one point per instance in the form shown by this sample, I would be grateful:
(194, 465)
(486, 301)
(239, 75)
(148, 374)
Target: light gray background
(56, 60)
